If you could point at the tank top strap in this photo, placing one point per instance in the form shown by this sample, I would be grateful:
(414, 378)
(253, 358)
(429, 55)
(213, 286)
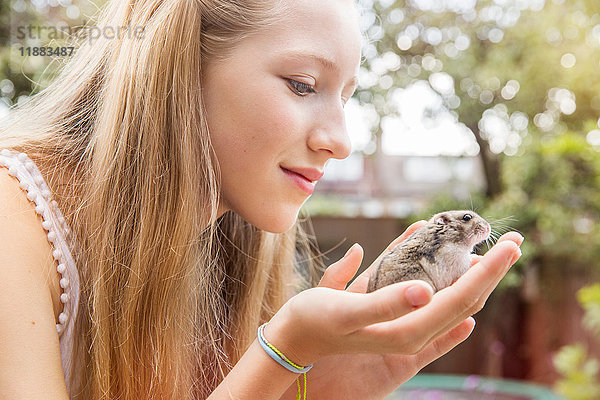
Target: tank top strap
(59, 235)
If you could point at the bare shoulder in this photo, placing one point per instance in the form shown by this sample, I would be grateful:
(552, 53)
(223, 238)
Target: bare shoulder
(18, 217)
(29, 347)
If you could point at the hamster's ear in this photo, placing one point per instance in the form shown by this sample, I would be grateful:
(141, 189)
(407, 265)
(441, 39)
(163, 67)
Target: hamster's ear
(442, 219)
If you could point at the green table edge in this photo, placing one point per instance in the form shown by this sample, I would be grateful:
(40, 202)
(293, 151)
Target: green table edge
(457, 382)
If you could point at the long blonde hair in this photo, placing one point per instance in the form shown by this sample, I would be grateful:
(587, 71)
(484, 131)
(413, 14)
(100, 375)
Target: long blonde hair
(171, 296)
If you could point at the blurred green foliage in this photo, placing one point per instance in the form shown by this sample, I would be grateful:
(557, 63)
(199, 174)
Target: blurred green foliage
(519, 69)
(51, 23)
(525, 81)
(579, 372)
(483, 45)
(551, 197)
(552, 193)
(589, 298)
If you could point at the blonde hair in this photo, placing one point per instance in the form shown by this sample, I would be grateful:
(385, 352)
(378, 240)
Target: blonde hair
(171, 296)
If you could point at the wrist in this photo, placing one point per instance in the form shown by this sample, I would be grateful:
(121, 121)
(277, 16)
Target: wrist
(278, 356)
(285, 335)
(255, 376)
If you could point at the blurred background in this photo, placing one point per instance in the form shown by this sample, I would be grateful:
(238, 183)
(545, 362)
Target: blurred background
(491, 105)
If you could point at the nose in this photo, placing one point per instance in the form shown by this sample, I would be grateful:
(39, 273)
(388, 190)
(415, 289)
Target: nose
(487, 229)
(329, 133)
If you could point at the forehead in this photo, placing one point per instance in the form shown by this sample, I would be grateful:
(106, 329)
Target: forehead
(326, 31)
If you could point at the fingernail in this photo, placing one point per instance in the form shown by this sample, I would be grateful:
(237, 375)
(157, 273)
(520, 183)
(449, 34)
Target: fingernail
(517, 256)
(349, 250)
(474, 322)
(513, 246)
(513, 257)
(417, 295)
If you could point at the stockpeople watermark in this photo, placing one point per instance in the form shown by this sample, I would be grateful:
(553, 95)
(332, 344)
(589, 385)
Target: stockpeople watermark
(47, 40)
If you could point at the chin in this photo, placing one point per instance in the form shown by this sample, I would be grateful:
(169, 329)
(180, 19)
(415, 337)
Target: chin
(281, 222)
(281, 225)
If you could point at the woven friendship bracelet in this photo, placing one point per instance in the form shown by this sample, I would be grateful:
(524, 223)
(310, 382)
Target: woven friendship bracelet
(278, 356)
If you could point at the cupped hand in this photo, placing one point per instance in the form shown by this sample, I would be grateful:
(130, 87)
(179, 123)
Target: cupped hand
(364, 345)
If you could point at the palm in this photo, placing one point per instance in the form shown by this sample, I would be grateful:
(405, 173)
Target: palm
(374, 376)
(363, 376)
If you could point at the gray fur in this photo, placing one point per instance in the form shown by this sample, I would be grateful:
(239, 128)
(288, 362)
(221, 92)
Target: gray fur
(437, 253)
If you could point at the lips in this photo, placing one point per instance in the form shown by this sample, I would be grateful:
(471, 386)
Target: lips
(303, 178)
(310, 174)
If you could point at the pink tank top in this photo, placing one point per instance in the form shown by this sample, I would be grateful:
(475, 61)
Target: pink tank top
(21, 167)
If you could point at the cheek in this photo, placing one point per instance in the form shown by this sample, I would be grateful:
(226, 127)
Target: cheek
(251, 136)
(257, 126)
(275, 119)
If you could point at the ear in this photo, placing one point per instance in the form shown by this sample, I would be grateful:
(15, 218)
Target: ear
(442, 220)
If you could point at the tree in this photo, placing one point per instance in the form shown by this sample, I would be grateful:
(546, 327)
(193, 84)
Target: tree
(510, 63)
(22, 75)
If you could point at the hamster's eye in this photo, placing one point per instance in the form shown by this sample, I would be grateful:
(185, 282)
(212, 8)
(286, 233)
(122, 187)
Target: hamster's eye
(467, 217)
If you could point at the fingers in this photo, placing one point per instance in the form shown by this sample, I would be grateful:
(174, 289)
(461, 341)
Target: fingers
(470, 292)
(338, 274)
(449, 307)
(475, 259)
(359, 285)
(513, 236)
(445, 343)
(385, 304)
(487, 259)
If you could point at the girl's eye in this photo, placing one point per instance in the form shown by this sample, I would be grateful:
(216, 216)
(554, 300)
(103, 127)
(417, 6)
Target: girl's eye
(301, 88)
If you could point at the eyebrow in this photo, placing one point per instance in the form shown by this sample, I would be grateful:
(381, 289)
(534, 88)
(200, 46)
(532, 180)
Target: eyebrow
(324, 62)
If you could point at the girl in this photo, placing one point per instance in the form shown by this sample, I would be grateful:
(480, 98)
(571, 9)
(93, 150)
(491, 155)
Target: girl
(149, 202)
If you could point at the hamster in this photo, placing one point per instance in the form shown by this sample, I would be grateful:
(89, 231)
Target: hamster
(437, 253)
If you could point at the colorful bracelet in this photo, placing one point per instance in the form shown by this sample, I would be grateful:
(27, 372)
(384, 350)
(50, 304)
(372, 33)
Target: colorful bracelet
(283, 360)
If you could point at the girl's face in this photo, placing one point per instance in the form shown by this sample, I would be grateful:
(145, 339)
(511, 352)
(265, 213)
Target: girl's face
(276, 106)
